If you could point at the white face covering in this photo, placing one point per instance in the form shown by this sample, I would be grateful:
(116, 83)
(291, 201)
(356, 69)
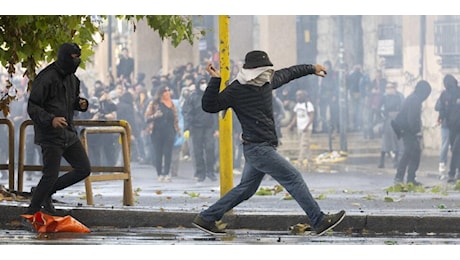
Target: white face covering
(257, 76)
(203, 86)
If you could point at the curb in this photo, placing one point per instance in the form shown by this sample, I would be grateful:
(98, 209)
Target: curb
(354, 222)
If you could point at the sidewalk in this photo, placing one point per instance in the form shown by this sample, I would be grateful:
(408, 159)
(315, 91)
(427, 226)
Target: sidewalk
(356, 185)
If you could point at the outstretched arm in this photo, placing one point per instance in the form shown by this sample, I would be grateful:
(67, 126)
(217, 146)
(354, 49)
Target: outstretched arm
(285, 75)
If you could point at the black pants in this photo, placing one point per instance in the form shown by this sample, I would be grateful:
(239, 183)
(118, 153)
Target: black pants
(163, 142)
(410, 159)
(203, 151)
(51, 182)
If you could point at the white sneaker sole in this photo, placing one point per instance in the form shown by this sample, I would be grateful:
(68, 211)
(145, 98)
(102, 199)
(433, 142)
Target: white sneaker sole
(208, 231)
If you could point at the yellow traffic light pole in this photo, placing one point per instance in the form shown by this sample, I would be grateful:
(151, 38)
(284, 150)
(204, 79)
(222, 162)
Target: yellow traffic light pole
(225, 117)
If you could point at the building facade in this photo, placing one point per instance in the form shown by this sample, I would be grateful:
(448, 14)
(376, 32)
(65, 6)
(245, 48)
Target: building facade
(405, 48)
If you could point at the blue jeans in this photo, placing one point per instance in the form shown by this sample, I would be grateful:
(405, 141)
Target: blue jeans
(444, 144)
(261, 159)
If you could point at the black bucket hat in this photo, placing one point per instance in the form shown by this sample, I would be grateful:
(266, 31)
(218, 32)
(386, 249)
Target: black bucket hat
(256, 59)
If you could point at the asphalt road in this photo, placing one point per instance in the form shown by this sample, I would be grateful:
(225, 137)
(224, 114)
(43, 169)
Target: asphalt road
(191, 236)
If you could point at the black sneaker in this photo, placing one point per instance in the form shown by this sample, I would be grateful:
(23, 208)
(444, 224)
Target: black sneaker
(48, 206)
(329, 222)
(208, 226)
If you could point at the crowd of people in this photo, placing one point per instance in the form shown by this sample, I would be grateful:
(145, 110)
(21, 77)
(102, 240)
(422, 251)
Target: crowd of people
(176, 116)
(169, 105)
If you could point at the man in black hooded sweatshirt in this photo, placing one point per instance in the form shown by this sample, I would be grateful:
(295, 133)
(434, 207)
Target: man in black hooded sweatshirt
(54, 96)
(409, 121)
(449, 111)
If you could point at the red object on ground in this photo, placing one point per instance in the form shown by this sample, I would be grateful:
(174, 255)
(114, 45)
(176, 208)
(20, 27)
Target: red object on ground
(45, 223)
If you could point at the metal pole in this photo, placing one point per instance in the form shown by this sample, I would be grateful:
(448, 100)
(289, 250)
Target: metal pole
(225, 117)
(109, 45)
(342, 91)
(422, 44)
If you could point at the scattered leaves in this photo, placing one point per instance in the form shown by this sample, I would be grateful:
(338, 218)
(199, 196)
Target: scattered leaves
(299, 228)
(390, 199)
(370, 197)
(320, 197)
(264, 191)
(221, 225)
(287, 196)
(192, 194)
(409, 187)
(457, 186)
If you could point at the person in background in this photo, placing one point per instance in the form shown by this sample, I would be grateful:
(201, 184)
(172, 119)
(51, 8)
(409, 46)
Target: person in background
(163, 117)
(202, 128)
(303, 121)
(54, 97)
(444, 135)
(329, 100)
(178, 142)
(449, 111)
(391, 105)
(103, 148)
(125, 66)
(408, 126)
(250, 96)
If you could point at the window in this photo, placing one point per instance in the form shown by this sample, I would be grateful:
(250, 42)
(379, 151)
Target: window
(447, 42)
(390, 45)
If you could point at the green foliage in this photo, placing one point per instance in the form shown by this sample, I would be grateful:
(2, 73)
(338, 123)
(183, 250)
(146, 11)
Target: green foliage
(264, 191)
(388, 199)
(320, 197)
(178, 28)
(439, 189)
(369, 197)
(409, 187)
(31, 39)
(457, 186)
(192, 194)
(28, 39)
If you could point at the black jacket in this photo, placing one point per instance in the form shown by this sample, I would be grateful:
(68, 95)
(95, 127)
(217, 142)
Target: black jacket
(54, 94)
(252, 104)
(409, 119)
(449, 108)
(194, 116)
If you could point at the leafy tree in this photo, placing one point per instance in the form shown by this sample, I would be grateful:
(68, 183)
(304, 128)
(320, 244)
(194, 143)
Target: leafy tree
(28, 39)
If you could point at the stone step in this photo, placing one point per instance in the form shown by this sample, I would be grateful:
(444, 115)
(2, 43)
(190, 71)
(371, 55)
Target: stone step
(357, 146)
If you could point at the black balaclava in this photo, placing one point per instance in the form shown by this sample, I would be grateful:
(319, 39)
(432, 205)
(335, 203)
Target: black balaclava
(64, 59)
(422, 89)
(450, 82)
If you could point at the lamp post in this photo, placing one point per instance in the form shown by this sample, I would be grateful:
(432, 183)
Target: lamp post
(342, 91)
(109, 44)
